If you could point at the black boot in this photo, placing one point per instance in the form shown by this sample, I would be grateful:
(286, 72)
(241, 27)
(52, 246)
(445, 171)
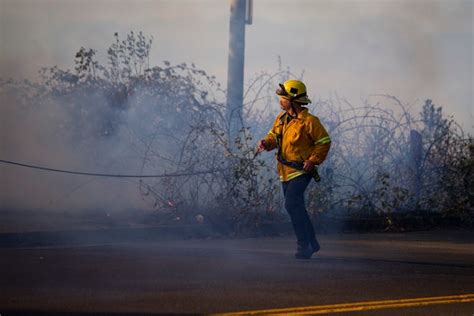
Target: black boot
(304, 252)
(315, 244)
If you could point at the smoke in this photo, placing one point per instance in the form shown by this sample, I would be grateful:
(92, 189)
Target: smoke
(51, 132)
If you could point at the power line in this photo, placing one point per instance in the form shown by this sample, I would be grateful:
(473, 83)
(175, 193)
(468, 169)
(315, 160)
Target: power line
(178, 174)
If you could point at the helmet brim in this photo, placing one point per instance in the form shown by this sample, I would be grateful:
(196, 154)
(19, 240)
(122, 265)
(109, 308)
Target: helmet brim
(304, 100)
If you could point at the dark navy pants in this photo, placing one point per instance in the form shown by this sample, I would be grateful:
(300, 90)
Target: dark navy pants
(295, 206)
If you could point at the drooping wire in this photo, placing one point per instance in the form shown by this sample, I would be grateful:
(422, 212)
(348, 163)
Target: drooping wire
(177, 174)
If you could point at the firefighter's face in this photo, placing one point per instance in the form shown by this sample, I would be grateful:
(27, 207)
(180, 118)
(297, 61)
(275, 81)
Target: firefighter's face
(285, 104)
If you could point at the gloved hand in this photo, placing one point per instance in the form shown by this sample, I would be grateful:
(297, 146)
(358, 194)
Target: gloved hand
(308, 165)
(260, 146)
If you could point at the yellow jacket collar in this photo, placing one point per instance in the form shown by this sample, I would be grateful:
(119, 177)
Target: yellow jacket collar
(303, 113)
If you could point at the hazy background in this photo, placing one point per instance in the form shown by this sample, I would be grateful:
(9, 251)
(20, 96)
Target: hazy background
(413, 50)
(410, 49)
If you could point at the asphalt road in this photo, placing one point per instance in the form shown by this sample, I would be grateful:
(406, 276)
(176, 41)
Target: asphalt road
(217, 276)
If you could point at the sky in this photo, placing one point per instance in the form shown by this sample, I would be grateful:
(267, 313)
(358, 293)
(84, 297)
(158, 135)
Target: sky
(413, 50)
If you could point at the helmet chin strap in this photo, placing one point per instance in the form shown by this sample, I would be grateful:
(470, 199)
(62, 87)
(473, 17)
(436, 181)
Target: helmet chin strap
(293, 108)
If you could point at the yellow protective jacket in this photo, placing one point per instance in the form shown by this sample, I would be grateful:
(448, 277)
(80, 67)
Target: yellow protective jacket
(302, 138)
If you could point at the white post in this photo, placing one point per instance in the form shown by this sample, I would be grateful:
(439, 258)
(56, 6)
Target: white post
(240, 14)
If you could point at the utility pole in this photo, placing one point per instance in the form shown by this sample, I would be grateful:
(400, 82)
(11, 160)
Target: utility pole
(240, 14)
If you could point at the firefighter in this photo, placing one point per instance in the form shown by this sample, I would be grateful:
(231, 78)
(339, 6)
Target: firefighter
(302, 144)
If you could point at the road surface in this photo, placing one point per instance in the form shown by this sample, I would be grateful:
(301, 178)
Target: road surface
(423, 273)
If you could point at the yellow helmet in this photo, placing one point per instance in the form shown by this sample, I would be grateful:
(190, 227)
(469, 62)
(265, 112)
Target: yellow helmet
(293, 90)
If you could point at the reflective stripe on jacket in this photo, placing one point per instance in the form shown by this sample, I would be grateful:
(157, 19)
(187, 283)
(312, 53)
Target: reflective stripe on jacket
(302, 138)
